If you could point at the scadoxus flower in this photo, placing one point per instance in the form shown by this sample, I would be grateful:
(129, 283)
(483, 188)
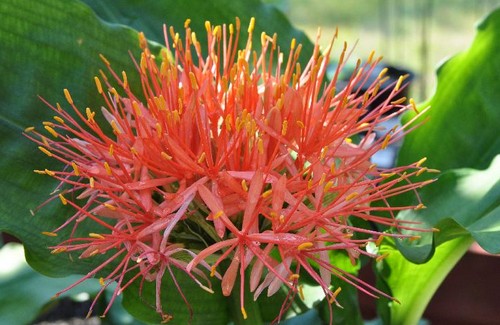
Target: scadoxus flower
(269, 158)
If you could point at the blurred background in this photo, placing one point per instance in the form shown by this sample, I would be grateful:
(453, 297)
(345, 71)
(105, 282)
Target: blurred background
(414, 35)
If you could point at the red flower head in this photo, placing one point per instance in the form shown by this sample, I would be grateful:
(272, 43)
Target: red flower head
(268, 156)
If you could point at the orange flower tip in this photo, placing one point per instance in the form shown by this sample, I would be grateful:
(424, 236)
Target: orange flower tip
(109, 206)
(244, 185)
(91, 182)
(244, 313)
(101, 282)
(103, 59)
(379, 240)
(29, 129)
(293, 277)
(305, 245)
(381, 257)
(267, 194)
(98, 84)
(68, 96)
(165, 156)
(45, 151)
(96, 236)
(63, 199)
(49, 233)
(351, 196)
(399, 101)
(58, 250)
(420, 206)
(421, 161)
(218, 215)
(282, 218)
(90, 115)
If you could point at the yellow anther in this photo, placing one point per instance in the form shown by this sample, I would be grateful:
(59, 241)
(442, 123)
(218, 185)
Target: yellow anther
(59, 108)
(136, 108)
(202, 157)
(381, 257)
(91, 182)
(348, 140)
(244, 313)
(125, 80)
(228, 120)
(399, 101)
(370, 57)
(109, 206)
(251, 26)
(187, 22)
(322, 179)
(244, 185)
(218, 215)
(217, 31)
(212, 271)
(75, 168)
(399, 83)
(90, 114)
(68, 96)
(386, 141)
(301, 292)
(143, 44)
(45, 141)
(103, 58)
(231, 29)
(328, 186)
(38, 171)
(98, 84)
(111, 149)
(267, 193)
(165, 155)
(421, 161)
(63, 199)
(108, 169)
(94, 252)
(115, 128)
(379, 240)
(387, 175)
(134, 151)
(58, 119)
(58, 250)
(309, 184)
(101, 281)
(413, 238)
(96, 236)
(421, 171)
(351, 196)
(382, 73)
(334, 295)
(192, 78)
(51, 131)
(45, 151)
(305, 245)
(29, 129)
(49, 233)
(282, 218)
(293, 43)
(413, 105)
(207, 26)
(436, 230)
(260, 146)
(284, 127)
(49, 172)
(294, 276)
(300, 124)
(420, 206)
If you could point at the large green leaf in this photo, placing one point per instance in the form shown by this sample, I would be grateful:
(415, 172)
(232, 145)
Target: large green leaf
(464, 119)
(464, 204)
(49, 45)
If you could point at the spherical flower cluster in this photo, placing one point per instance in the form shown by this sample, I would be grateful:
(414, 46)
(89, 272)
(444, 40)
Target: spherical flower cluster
(271, 159)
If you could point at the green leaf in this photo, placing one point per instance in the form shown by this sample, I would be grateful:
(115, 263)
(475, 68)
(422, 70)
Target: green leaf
(414, 284)
(464, 118)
